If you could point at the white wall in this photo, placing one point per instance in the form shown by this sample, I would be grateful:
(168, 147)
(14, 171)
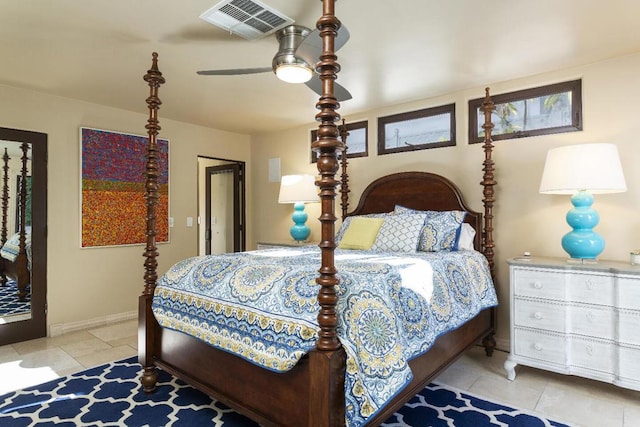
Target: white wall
(100, 282)
(524, 219)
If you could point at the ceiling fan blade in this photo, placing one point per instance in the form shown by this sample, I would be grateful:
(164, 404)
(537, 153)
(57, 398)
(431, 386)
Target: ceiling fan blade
(315, 84)
(311, 47)
(234, 72)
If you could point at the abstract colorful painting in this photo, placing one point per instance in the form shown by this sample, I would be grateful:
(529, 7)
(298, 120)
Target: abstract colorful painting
(113, 186)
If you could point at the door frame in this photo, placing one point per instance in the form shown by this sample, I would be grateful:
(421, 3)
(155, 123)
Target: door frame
(240, 201)
(36, 326)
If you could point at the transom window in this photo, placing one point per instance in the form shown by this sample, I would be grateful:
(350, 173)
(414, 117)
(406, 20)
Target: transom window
(543, 110)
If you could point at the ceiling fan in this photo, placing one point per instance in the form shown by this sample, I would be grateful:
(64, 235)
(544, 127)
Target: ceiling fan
(299, 50)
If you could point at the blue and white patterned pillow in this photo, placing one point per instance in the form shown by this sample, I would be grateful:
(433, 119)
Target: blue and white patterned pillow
(347, 221)
(399, 233)
(441, 230)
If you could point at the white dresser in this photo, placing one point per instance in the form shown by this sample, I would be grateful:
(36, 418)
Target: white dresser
(579, 319)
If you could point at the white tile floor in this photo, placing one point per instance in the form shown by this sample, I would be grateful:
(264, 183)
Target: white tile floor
(573, 400)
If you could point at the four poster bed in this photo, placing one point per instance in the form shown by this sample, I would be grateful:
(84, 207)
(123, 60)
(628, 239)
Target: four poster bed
(15, 250)
(338, 375)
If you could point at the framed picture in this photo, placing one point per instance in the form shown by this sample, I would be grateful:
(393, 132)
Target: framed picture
(417, 130)
(357, 140)
(113, 205)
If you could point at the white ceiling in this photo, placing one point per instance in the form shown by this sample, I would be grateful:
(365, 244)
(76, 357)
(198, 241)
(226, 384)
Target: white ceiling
(399, 51)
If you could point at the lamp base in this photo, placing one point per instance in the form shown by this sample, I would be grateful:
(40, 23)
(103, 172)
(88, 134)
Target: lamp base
(582, 242)
(299, 230)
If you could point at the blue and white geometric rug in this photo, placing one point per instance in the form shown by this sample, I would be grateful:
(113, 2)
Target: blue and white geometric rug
(9, 303)
(111, 395)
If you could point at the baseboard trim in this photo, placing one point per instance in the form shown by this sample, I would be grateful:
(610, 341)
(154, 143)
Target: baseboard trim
(503, 345)
(65, 328)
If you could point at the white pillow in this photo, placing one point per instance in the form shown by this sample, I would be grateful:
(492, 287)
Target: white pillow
(467, 235)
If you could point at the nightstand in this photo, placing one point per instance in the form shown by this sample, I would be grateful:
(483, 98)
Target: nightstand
(284, 244)
(577, 319)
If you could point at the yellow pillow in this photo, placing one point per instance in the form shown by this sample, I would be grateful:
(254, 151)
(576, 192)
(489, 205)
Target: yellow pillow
(361, 233)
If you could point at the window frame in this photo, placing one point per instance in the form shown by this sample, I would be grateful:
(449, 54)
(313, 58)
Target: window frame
(573, 86)
(415, 115)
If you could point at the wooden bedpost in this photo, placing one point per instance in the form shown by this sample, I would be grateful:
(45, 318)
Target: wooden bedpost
(327, 362)
(344, 176)
(147, 326)
(488, 182)
(22, 262)
(5, 206)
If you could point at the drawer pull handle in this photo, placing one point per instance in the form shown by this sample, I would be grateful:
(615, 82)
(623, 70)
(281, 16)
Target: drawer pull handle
(537, 285)
(537, 315)
(589, 350)
(537, 346)
(591, 317)
(589, 284)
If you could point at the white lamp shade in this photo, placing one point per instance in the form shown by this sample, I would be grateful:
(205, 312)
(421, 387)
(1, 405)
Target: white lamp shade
(298, 188)
(592, 167)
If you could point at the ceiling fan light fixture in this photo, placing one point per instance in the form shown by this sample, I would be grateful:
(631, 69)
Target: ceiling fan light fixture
(294, 73)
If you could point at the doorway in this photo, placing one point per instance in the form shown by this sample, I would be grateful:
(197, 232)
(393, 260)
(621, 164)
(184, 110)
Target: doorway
(221, 212)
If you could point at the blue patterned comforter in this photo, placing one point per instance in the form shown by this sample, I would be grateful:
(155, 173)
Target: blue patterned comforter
(262, 306)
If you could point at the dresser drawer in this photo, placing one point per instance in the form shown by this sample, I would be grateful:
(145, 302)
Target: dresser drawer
(629, 366)
(593, 355)
(590, 288)
(536, 345)
(538, 284)
(540, 315)
(629, 292)
(592, 321)
(629, 329)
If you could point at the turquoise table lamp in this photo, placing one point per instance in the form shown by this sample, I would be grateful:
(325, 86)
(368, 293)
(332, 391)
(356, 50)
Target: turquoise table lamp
(581, 171)
(298, 189)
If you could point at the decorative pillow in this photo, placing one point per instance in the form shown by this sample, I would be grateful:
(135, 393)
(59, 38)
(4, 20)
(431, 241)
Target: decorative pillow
(441, 229)
(467, 236)
(399, 233)
(361, 233)
(347, 221)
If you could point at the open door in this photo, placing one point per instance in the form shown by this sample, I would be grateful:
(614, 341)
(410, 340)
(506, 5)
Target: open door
(224, 221)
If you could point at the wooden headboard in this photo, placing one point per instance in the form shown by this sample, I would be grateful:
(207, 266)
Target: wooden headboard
(417, 190)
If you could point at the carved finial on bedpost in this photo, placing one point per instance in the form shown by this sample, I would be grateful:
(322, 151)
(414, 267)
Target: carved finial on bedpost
(327, 145)
(154, 79)
(5, 207)
(22, 262)
(327, 361)
(344, 177)
(5, 194)
(488, 182)
(146, 330)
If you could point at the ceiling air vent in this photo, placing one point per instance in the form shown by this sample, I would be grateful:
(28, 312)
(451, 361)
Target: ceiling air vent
(249, 19)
